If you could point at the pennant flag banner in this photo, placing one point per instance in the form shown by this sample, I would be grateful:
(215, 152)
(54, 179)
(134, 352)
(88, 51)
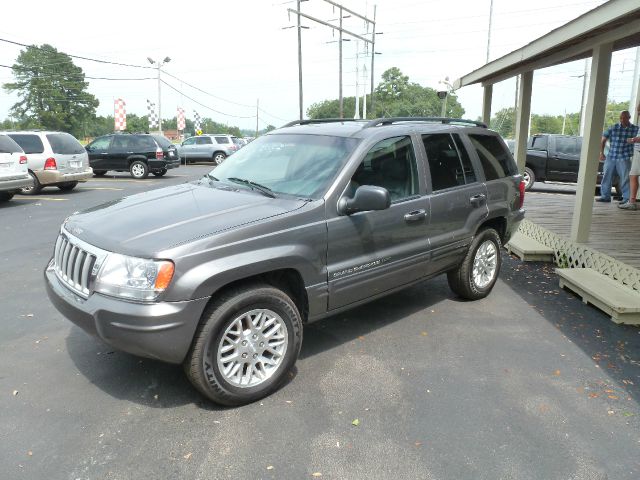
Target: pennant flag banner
(120, 115)
(182, 123)
(152, 114)
(196, 121)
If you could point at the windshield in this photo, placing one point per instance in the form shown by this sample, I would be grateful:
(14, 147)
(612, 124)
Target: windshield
(300, 165)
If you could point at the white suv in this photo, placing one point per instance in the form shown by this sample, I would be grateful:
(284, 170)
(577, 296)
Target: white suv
(55, 159)
(13, 169)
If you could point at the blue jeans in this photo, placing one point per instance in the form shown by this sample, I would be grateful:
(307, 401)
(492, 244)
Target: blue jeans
(620, 166)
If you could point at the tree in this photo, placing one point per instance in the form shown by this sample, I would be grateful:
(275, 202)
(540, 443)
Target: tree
(52, 91)
(396, 96)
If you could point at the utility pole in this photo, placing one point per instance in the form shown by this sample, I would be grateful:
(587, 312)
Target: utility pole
(340, 29)
(357, 114)
(257, 113)
(159, 63)
(489, 32)
(340, 67)
(373, 56)
(583, 110)
(300, 61)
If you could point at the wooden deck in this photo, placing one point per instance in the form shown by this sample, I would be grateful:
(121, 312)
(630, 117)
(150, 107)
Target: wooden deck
(614, 232)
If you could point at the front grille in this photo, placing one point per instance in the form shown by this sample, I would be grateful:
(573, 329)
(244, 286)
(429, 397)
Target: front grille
(73, 265)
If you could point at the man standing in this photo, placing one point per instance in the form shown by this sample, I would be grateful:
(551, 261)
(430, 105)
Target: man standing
(618, 157)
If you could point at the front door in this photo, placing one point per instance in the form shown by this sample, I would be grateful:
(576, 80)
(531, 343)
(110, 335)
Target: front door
(372, 252)
(98, 152)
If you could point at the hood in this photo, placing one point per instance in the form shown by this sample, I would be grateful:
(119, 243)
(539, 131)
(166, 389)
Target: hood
(153, 221)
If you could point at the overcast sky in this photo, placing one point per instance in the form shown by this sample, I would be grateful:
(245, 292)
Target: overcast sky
(238, 51)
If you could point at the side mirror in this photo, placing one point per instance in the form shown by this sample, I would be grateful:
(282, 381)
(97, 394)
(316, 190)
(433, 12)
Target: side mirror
(367, 197)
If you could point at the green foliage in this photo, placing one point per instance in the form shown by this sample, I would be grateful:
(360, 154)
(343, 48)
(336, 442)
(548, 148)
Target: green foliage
(52, 91)
(395, 96)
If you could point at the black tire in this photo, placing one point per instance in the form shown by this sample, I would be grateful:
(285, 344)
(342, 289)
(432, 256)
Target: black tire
(218, 158)
(35, 189)
(160, 173)
(461, 280)
(6, 196)
(99, 173)
(529, 178)
(67, 186)
(201, 365)
(139, 170)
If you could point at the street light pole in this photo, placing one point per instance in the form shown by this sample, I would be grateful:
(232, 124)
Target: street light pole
(159, 64)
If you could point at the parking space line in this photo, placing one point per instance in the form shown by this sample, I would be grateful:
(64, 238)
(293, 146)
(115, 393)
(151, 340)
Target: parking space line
(123, 180)
(100, 188)
(35, 199)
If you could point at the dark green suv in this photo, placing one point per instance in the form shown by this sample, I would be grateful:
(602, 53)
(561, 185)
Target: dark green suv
(222, 274)
(137, 153)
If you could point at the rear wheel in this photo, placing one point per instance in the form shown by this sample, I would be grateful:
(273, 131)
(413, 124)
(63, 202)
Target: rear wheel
(67, 186)
(245, 345)
(99, 173)
(218, 158)
(159, 173)
(34, 189)
(6, 196)
(139, 170)
(529, 178)
(478, 272)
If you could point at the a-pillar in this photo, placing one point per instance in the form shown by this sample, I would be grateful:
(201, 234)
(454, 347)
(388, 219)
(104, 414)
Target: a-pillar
(486, 104)
(589, 157)
(522, 119)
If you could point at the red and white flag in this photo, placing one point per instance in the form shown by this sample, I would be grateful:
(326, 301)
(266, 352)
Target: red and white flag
(182, 123)
(119, 114)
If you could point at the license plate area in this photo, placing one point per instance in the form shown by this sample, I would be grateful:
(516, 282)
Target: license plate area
(75, 163)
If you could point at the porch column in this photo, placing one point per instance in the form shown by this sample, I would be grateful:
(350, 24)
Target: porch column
(522, 119)
(589, 158)
(486, 104)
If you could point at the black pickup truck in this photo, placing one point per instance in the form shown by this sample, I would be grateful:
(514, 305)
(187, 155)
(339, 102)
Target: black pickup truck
(554, 158)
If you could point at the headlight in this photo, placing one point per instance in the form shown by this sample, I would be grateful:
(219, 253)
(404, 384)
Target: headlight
(134, 278)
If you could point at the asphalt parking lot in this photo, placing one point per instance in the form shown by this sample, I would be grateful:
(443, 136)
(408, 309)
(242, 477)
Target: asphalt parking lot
(528, 383)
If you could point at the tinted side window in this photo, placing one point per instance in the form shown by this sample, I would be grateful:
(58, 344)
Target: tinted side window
(64, 144)
(9, 146)
(538, 143)
(144, 144)
(567, 146)
(444, 162)
(100, 143)
(162, 141)
(469, 172)
(203, 141)
(391, 164)
(120, 143)
(494, 157)
(222, 139)
(29, 143)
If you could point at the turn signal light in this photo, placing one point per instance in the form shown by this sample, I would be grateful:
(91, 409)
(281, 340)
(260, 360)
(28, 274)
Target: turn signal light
(50, 164)
(23, 159)
(165, 274)
(159, 154)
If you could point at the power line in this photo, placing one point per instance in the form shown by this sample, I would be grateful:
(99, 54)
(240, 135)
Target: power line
(207, 93)
(78, 75)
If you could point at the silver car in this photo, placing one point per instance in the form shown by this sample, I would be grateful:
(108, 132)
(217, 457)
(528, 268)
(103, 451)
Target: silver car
(54, 159)
(13, 168)
(207, 147)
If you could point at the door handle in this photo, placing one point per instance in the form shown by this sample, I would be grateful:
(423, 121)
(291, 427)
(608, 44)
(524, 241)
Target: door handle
(478, 200)
(415, 216)
(104, 153)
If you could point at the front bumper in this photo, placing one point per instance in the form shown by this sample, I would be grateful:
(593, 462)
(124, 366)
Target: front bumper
(15, 183)
(49, 177)
(162, 330)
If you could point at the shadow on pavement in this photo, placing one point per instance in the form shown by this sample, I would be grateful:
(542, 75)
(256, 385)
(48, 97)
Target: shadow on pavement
(614, 348)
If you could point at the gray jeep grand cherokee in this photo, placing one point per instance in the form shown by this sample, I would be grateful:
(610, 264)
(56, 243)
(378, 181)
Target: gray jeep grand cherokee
(316, 217)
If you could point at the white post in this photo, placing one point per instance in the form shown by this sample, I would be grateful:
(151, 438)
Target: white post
(589, 157)
(364, 93)
(522, 119)
(357, 113)
(635, 89)
(486, 104)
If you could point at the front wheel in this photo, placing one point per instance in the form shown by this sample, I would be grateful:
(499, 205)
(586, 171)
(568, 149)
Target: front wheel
(159, 173)
(139, 170)
(529, 178)
(246, 344)
(478, 272)
(67, 186)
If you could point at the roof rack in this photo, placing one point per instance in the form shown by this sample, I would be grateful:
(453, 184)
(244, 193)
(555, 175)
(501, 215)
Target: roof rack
(319, 120)
(443, 120)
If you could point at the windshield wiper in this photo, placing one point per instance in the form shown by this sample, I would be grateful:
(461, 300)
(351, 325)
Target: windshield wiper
(211, 177)
(253, 185)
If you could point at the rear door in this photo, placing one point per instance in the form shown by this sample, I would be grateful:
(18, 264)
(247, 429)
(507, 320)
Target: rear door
(458, 198)
(372, 252)
(564, 161)
(10, 155)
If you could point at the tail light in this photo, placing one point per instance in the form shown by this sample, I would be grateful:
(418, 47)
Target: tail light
(521, 187)
(23, 159)
(50, 164)
(159, 154)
